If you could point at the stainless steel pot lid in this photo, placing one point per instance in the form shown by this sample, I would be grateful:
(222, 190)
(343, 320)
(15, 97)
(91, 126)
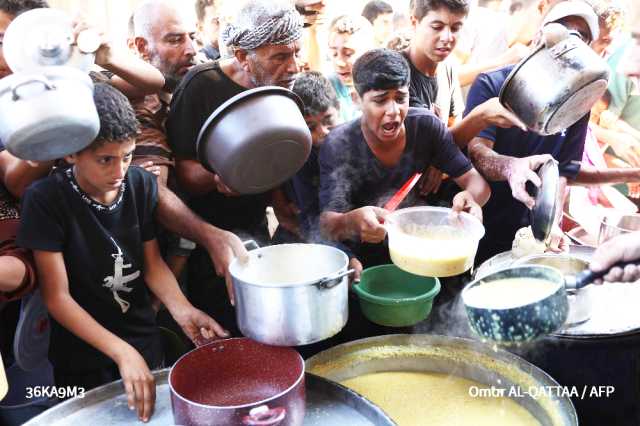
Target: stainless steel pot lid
(546, 196)
(255, 143)
(42, 37)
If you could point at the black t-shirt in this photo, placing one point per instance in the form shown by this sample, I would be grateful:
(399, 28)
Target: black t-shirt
(201, 91)
(503, 214)
(423, 89)
(103, 255)
(351, 176)
(303, 189)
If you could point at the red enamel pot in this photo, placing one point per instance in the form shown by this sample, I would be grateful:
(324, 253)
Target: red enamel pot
(238, 382)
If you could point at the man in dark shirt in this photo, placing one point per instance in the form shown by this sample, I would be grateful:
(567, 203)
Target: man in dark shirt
(434, 82)
(508, 158)
(208, 29)
(364, 162)
(266, 48)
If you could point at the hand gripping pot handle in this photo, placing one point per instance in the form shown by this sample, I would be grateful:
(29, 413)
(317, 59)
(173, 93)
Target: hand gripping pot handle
(45, 82)
(264, 416)
(330, 282)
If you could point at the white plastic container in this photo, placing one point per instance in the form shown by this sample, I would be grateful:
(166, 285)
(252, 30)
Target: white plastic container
(433, 241)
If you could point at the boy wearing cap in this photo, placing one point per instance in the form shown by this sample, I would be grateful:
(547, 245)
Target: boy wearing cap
(508, 157)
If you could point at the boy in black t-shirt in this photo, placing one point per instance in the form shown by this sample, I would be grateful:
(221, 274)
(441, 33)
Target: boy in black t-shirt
(92, 232)
(362, 163)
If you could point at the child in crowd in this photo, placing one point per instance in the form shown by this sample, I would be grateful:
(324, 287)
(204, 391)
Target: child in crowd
(297, 207)
(321, 113)
(92, 232)
(349, 38)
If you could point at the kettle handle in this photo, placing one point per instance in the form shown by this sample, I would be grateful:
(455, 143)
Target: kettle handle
(553, 34)
(34, 79)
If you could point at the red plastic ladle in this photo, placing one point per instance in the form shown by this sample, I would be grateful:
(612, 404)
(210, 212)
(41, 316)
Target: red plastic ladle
(397, 198)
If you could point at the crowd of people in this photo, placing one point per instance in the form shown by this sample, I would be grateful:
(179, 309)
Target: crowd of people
(134, 225)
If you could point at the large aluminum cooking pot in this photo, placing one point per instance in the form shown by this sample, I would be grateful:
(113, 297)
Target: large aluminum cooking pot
(612, 226)
(47, 114)
(291, 294)
(461, 357)
(238, 382)
(256, 140)
(557, 83)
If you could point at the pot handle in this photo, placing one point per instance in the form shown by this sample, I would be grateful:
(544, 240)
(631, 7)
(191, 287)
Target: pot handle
(330, 282)
(250, 245)
(264, 416)
(587, 276)
(14, 89)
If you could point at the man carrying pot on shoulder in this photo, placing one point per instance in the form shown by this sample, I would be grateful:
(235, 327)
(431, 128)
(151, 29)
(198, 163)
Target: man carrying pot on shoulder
(265, 40)
(508, 157)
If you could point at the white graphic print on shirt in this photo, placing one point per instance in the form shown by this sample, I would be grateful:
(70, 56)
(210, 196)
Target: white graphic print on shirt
(117, 282)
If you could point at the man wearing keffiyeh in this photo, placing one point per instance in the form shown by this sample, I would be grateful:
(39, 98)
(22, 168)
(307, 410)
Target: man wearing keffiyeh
(264, 39)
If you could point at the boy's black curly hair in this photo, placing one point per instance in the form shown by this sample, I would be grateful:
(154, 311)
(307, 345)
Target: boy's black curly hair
(118, 121)
(16, 7)
(380, 69)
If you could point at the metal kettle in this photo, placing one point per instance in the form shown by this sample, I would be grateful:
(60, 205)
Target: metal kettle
(44, 37)
(557, 84)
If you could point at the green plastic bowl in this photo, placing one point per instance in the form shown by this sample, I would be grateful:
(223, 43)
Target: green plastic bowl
(395, 298)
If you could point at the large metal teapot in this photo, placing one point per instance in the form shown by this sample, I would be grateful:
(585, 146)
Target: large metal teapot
(557, 84)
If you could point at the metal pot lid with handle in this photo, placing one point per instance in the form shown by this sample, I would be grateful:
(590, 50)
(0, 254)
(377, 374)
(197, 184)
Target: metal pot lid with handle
(543, 214)
(256, 140)
(44, 37)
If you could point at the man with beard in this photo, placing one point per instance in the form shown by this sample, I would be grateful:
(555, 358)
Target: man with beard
(163, 39)
(265, 41)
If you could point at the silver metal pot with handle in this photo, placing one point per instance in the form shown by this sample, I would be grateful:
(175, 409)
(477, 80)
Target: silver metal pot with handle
(557, 83)
(47, 114)
(256, 140)
(291, 294)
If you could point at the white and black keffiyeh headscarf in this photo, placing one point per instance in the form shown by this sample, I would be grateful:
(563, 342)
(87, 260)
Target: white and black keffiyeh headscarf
(284, 28)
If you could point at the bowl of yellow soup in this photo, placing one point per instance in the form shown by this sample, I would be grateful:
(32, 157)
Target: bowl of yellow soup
(433, 241)
(517, 304)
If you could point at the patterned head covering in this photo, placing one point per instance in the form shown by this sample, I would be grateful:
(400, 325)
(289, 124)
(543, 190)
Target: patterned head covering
(284, 28)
